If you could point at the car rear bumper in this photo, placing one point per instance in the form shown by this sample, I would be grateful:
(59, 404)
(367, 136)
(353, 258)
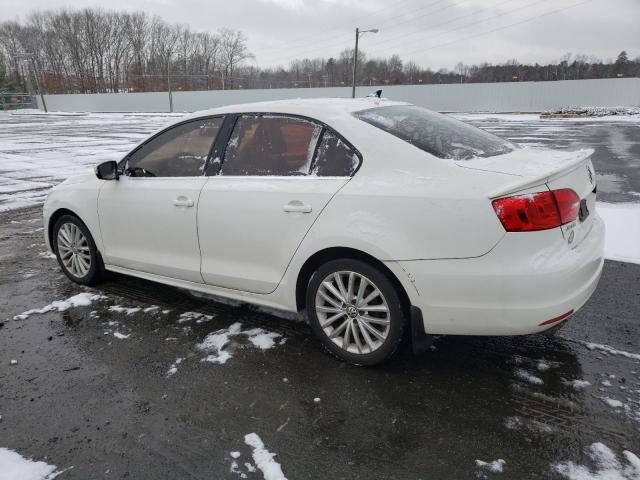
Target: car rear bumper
(507, 291)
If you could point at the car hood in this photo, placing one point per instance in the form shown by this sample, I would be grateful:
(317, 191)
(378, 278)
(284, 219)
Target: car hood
(76, 179)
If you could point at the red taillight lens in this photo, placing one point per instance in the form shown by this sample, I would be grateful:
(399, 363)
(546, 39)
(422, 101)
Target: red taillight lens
(568, 204)
(537, 211)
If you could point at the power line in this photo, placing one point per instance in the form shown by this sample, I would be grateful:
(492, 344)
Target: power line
(336, 42)
(471, 24)
(502, 28)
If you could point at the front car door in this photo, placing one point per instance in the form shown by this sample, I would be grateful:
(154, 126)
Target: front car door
(148, 217)
(278, 173)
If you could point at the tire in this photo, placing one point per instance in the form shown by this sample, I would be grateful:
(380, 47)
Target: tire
(323, 304)
(74, 252)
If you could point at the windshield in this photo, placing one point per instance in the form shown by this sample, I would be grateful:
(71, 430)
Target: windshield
(435, 133)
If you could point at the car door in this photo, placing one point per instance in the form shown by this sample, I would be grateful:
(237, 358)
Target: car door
(148, 217)
(277, 175)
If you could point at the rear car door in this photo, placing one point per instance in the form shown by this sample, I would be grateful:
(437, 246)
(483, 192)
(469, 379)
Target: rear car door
(278, 172)
(148, 217)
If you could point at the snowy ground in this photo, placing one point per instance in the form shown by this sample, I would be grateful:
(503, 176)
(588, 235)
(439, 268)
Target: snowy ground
(139, 380)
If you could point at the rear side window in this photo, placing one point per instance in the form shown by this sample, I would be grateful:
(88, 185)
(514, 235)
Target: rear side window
(435, 133)
(181, 151)
(334, 158)
(270, 145)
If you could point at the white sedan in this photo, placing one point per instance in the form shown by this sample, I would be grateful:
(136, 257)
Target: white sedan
(381, 220)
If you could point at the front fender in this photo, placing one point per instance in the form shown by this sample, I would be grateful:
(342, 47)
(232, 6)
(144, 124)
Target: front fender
(79, 196)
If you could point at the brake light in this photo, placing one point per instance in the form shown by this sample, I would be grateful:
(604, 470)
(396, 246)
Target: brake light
(537, 211)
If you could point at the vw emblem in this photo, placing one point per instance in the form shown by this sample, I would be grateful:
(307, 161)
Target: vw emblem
(590, 173)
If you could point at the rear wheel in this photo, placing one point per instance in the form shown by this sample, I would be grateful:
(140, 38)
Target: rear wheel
(355, 311)
(76, 251)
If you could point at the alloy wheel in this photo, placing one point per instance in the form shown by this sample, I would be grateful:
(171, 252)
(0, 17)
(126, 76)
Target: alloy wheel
(74, 251)
(352, 312)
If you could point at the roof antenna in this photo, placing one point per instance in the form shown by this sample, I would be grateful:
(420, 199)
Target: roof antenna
(377, 94)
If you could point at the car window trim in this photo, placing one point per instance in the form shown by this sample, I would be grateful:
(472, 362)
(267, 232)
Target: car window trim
(315, 121)
(219, 147)
(122, 162)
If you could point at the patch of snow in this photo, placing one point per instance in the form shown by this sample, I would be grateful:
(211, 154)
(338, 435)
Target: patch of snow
(262, 339)
(174, 366)
(607, 466)
(197, 316)
(215, 342)
(153, 308)
(611, 350)
(235, 454)
(14, 466)
(522, 374)
(127, 310)
(496, 466)
(612, 402)
(543, 366)
(316, 400)
(121, 336)
(577, 384)
(271, 470)
(13, 361)
(83, 299)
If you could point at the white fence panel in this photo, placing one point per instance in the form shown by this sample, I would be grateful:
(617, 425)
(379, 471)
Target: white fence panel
(470, 97)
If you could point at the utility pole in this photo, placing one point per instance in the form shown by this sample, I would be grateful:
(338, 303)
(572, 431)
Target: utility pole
(355, 64)
(169, 82)
(355, 58)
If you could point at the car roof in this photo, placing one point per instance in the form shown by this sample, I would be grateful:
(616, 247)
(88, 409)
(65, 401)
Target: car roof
(323, 109)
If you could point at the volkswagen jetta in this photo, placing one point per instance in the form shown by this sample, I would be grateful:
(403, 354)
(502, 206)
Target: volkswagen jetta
(381, 220)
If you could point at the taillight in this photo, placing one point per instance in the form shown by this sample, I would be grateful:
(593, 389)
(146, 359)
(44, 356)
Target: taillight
(537, 211)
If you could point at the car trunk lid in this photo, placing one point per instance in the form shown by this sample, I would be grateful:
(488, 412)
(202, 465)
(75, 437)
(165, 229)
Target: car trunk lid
(544, 169)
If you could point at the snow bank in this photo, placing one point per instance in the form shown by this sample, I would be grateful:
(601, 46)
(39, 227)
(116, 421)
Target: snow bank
(13, 466)
(271, 470)
(83, 299)
(595, 111)
(623, 230)
(607, 465)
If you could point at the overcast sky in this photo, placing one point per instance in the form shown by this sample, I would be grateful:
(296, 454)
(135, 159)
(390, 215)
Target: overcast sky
(433, 33)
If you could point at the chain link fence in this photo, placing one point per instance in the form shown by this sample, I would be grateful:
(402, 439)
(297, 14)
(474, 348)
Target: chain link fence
(17, 101)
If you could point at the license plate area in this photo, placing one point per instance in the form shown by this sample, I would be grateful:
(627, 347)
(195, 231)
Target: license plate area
(584, 210)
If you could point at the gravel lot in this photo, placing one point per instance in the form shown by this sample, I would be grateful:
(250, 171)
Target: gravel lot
(95, 385)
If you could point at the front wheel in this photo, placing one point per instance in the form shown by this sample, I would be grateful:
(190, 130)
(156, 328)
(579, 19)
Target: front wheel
(76, 251)
(355, 311)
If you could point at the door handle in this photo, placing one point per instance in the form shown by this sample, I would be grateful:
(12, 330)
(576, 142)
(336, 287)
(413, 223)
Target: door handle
(297, 206)
(183, 201)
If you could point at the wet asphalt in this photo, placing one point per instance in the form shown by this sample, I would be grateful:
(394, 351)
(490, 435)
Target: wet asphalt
(80, 397)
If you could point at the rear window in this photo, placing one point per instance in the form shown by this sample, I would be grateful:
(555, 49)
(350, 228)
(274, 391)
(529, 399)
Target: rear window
(435, 133)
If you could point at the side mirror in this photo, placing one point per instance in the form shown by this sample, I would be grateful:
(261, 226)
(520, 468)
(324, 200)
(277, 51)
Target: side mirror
(107, 171)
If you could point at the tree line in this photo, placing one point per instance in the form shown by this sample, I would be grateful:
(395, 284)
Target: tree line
(97, 51)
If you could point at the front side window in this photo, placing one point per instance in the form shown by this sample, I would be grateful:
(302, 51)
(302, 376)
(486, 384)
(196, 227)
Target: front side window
(435, 133)
(270, 145)
(334, 158)
(181, 151)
